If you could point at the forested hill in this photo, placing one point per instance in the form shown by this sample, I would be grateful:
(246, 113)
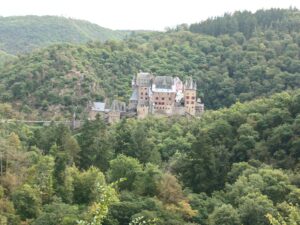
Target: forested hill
(4, 57)
(25, 33)
(233, 166)
(251, 24)
(227, 68)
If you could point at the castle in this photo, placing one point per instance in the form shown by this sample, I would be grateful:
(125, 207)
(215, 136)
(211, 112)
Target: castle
(156, 95)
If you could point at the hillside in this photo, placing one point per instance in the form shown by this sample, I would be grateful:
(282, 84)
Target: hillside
(4, 57)
(237, 164)
(233, 166)
(251, 24)
(227, 68)
(24, 33)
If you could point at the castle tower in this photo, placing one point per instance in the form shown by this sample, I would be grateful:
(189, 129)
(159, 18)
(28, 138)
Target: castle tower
(143, 83)
(190, 102)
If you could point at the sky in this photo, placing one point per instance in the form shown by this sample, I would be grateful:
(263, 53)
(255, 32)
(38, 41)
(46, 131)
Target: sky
(138, 14)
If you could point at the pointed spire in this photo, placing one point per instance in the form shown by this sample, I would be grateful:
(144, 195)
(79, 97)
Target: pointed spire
(190, 84)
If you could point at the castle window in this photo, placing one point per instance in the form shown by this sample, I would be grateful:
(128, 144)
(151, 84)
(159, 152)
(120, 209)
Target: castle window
(192, 102)
(142, 93)
(193, 97)
(146, 98)
(187, 97)
(146, 93)
(156, 98)
(162, 103)
(187, 102)
(141, 97)
(162, 98)
(170, 99)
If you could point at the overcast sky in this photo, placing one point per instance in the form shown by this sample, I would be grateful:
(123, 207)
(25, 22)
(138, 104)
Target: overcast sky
(137, 14)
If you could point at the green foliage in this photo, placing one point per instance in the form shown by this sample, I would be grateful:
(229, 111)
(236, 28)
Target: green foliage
(291, 215)
(147, 181)
(21, 34)
(237, 165)
(106, 195)
(253, 208)
(85, 184)
(57, 213)
(141, 221)
(240, 65)
(250, 24)
(27, 202)
(41, 177)
(226, 215)
(95, 144)
(218, 154)
(124, 167)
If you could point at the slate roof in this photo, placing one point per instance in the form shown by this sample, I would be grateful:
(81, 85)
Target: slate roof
(143, 79)
(163, 82)
(98, 106)
(118, 106)
(134, 95)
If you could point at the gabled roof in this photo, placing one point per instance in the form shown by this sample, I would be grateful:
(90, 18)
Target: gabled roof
(163, 82)
(143, 79)
(98, 106)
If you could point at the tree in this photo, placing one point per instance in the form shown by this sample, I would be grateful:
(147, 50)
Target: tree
(170, 191)
(27, 202)
(143, 146)
(124, 167)
(71, 146)
(58, 213)
(225, 215)
(7, 211)
(85, 184)
(147, 181)
(142, 221)
(96, 147)
(106, 196)
(290, 215)
(41, 177)
(253, 208)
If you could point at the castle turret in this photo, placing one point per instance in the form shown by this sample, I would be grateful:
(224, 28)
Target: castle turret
(190, 90)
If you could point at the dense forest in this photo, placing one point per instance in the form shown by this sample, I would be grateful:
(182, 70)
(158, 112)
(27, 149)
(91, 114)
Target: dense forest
(250, 24)
(227, 68)
(233, 166)
(237, 164)
(19, 34)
